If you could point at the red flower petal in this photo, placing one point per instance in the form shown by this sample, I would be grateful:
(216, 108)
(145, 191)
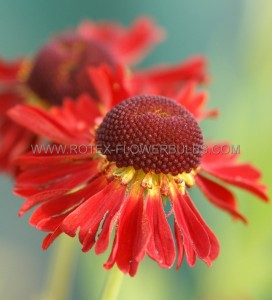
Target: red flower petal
(41, 197)
(68, 175)
(161, 244)
(215, 247)
(44, 176)
(219, 196)
(109, 84)
(42, 123)
(214, 155)
(40, 183)
(189, 224)
(54, 155)
(166, 79)
(49, 239)
(68, 202)
(189, 251)
(129, 45)
(195, 102)
(132, 234)
(244, 176)
(51, 224)
(92, 212)
(80, 114)
(142, 37)
(179, 242)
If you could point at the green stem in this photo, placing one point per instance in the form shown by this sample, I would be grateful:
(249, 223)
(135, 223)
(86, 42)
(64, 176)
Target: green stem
(113, 284)
(61, 270)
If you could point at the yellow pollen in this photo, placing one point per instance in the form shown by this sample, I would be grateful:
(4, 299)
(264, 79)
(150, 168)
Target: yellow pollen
(151, 181)
(147, 182)
(182, 187)
(189, 179)
(126, 174)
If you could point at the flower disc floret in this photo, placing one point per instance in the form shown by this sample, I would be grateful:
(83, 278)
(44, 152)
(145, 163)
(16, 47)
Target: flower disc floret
(152, 133)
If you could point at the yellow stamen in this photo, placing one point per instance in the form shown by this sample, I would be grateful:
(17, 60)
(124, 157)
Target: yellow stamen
(189, 179)
(164, 184)
(148, 181)
(126, 174)
(151, 180)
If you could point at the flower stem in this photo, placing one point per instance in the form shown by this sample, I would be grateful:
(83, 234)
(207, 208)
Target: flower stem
(61, 270)
(113, 284)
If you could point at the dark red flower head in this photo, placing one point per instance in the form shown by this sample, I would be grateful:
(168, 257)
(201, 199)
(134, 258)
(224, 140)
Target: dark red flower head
(60, 67)
(151, 133)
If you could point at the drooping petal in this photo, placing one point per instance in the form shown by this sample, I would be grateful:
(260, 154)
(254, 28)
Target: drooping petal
(227, 169)
(40, 181)
(184, 247)
(219, 196)
(161, 244)
(49, 239)
(197, 237)
(54, 222)
(132, 234)
(40, 197)
(189, 252)
(189, 224)
(179, 244)
(215, 247)
(89, 215)
(67, 202)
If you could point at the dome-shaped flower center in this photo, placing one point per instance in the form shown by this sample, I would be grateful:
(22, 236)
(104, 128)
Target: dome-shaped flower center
(152, 133)
(59, 69)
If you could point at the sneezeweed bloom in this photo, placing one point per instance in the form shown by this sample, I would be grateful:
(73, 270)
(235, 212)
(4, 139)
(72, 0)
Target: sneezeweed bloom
(58, 70)
(109, 188)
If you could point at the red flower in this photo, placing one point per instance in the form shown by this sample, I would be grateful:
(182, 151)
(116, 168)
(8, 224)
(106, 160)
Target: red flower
(59, 70)
(96, 190)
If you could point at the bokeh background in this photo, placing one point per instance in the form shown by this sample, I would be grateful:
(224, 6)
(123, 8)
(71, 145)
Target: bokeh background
(236, 37)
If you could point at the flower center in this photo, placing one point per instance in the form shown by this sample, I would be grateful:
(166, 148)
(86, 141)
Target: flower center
(152, 133)
(59, 69)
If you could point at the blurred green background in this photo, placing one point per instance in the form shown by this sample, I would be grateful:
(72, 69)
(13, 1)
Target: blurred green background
(236, 36)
